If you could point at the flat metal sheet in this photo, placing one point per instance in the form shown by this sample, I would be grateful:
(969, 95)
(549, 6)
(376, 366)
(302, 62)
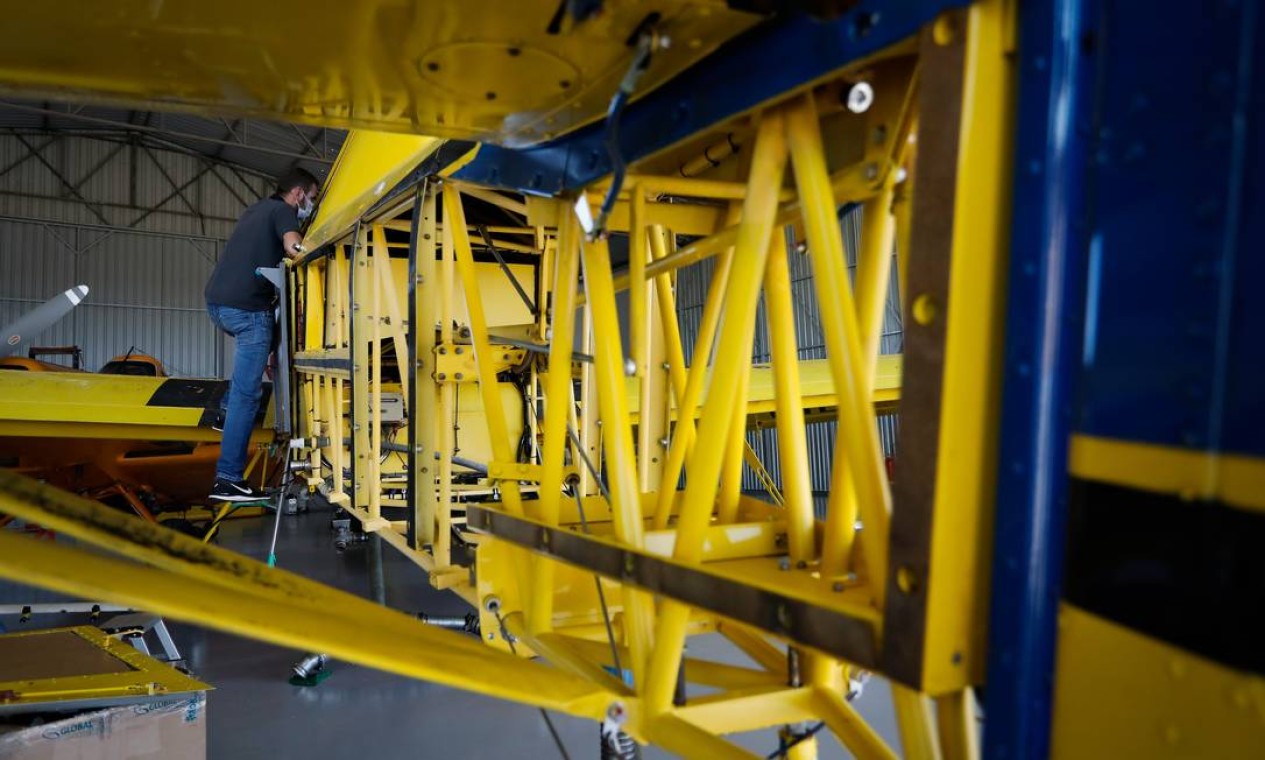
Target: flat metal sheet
(62, 669)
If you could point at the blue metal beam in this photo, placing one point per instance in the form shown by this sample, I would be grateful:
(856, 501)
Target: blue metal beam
(1043, 337)
(769, 61)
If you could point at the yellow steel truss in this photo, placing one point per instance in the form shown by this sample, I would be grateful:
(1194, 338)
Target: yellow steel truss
(547, 442)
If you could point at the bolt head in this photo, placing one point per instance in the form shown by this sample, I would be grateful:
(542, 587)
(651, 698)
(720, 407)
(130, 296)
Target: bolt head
(860, 97)
(617, 713)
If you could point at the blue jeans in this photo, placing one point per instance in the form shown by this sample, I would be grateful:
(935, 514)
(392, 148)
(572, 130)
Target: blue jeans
(252, 331)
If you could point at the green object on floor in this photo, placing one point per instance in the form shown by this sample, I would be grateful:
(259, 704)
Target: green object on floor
(311, 680)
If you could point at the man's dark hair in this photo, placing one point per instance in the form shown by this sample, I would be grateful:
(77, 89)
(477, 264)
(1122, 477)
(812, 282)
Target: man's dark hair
(293, 178)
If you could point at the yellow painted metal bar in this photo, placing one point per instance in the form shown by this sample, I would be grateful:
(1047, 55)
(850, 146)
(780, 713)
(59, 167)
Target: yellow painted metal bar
(608, 366)
(734, 341)
(389, 303)
(690, 254)
(488, 386)
(359, 333)
(489, 196)
(558, 406)
(792, 436)
(874, 268)
(689, 187)
(851, 185)
(761, 472)
(959, 731)
(559, 651)
(858, 436)
(855, 733)
(705, 672)
(589, 412)
(426, 307)
(645, 341)
(729, 713)
(637, 244)
(667, 315)
(684, 434)
(806, 749)
(334, 295)
(399, 645)
(1234, 479)
(755, 646)
(685, 739)
(874, 265)
(970, 408)
(902, 212)
(918, 738)
(374, 317)
(445, 437)
(656, 397)
(768, 163)
(338, 434)
(735, 444)
(368, 163)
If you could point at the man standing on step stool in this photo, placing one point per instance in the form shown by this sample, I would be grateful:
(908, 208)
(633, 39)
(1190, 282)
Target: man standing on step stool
(241, 304)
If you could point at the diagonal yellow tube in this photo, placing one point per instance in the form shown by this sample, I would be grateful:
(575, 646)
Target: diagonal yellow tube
(558, 407)
(621, 470)
(857, 447)
(743, 293)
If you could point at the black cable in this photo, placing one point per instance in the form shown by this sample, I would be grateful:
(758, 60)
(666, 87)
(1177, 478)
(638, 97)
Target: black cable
(584, 525)
(785, 747)
(500, 260)
(641, 60)
(601, 595)
(588, 463)
(562, 748)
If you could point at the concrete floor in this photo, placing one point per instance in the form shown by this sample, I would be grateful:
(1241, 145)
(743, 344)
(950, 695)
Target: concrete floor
(255, 713)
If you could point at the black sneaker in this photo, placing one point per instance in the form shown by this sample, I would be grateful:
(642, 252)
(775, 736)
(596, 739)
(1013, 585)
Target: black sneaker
(218, 423)
(227, 490)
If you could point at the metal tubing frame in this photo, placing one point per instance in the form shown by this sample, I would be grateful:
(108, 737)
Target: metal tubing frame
(654, 641)
(857, 445)
(755, 230)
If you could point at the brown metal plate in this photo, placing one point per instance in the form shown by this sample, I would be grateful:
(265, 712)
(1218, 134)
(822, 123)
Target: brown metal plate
(931, 240)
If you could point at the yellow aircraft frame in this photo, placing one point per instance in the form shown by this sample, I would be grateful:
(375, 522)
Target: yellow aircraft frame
(809, 601)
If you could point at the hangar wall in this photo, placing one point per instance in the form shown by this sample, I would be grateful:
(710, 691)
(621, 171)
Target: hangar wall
(140, 226)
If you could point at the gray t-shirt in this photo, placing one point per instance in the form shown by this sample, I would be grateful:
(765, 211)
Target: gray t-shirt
(256, 242)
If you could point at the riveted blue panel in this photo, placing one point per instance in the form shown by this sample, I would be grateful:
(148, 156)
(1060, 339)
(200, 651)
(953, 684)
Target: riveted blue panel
(1175, 331)
(1243, 416)
(1045, 303)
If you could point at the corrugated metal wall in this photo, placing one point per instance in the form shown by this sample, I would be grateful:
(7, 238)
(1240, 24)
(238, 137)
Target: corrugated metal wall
(145, 280)
(145, 290)
(692, 285)
(118, 184)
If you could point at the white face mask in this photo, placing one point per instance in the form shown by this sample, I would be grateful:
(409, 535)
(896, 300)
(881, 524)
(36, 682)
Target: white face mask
(305, 207)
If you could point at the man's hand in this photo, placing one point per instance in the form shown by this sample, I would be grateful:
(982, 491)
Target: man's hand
(293, 245)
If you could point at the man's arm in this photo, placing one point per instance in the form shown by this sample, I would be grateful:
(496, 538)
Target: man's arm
(291, 242)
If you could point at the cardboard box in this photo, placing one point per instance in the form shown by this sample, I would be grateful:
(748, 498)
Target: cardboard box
(171, 729)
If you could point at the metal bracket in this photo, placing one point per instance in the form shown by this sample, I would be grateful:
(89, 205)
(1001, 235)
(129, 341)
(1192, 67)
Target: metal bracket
(455, 363)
